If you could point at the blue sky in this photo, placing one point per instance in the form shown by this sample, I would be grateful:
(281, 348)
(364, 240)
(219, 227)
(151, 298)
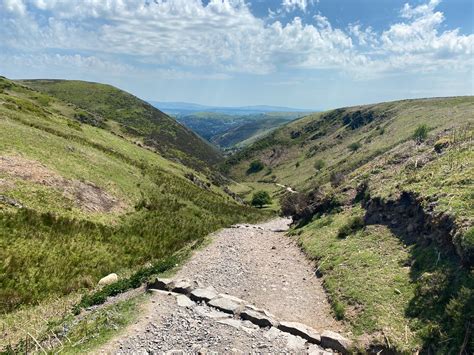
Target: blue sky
(303, 53)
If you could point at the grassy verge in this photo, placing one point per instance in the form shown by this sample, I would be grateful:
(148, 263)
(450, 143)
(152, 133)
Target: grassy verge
(73, 335)
(403, 297)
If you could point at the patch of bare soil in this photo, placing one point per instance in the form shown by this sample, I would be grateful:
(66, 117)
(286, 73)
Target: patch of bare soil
(86, 195)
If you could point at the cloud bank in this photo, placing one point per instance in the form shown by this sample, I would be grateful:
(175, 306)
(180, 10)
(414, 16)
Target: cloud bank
(224, 38)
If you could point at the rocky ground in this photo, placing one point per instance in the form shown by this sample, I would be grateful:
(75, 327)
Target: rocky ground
(256, 263)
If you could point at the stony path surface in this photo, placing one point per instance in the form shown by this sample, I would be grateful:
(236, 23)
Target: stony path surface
(257, 263)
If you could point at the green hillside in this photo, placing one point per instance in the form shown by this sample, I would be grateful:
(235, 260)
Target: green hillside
(78, 202)
(385, 206)
(108, 107)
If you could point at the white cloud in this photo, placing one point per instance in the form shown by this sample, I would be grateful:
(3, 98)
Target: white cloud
(291, 5)
(224, 37)
(13, 7)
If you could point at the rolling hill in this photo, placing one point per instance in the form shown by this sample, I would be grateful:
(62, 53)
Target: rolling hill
(234, 131)
(385, 207)
(108, 107)
(78, 201)
(186, 108)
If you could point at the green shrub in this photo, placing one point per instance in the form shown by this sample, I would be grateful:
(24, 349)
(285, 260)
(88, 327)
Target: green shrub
(261, 198)
(353, 147)
(421, 133)
(353, 225)
(319, 164)
(136, 280)
(339, 310)
(255, 167)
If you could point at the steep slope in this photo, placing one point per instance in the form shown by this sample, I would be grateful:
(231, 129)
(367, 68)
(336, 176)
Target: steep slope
(108, 107)
(78, 202)
(385, 207)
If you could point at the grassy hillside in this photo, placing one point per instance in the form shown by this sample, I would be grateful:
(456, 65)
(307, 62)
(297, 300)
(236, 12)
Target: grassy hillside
(108, 107)
(385, 207)
(78, 202)
(228, 131)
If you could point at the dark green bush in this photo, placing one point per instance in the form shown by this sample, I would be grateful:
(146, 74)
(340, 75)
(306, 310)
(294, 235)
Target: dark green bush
(261, 198)
(421, 133)
(255, 166)
(353, 147)
(319, 164)
(353, 225)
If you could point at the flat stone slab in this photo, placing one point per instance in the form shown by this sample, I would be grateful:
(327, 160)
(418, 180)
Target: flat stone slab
(203, 295)
(184, 301)
(295, 342)
(336, 341)
(260, 318)
(226, 305)
(163, 292)
(211, 313)
(161, 284)
(183, 286)
(301, 330)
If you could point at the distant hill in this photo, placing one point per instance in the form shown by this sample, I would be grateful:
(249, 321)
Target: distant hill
(108, 107)
(234, 131)
(184, 108)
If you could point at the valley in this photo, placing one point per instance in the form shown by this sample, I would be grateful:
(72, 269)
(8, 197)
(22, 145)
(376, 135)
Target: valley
(95, 181)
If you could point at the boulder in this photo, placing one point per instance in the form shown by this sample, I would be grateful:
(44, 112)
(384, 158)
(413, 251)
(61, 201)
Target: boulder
(109, 279)
(226, 304)
(301, 330)
(335, 341)
(161, 284)
(260, 318)
(203, 294)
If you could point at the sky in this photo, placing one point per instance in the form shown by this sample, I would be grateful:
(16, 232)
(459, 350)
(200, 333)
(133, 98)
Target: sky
(315, 54)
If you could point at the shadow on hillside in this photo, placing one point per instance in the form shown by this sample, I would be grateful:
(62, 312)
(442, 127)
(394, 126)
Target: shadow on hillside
(443, 306)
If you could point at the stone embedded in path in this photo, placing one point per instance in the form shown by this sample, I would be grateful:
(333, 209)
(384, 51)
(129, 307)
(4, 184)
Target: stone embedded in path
(316, 350)
(294, 342)
(335, 341)
(301, 330)
(184, 301)
(211, 313)
(203, 294)
(260, 318)
(237, 324)
(226, 304)
(183, 286)
(161, 284)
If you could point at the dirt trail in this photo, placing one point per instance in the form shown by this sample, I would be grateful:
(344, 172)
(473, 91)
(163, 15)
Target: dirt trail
(257, 263)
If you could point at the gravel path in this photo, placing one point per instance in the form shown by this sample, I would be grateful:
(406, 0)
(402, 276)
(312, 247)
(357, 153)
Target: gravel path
(257, 263)
(266, 268)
